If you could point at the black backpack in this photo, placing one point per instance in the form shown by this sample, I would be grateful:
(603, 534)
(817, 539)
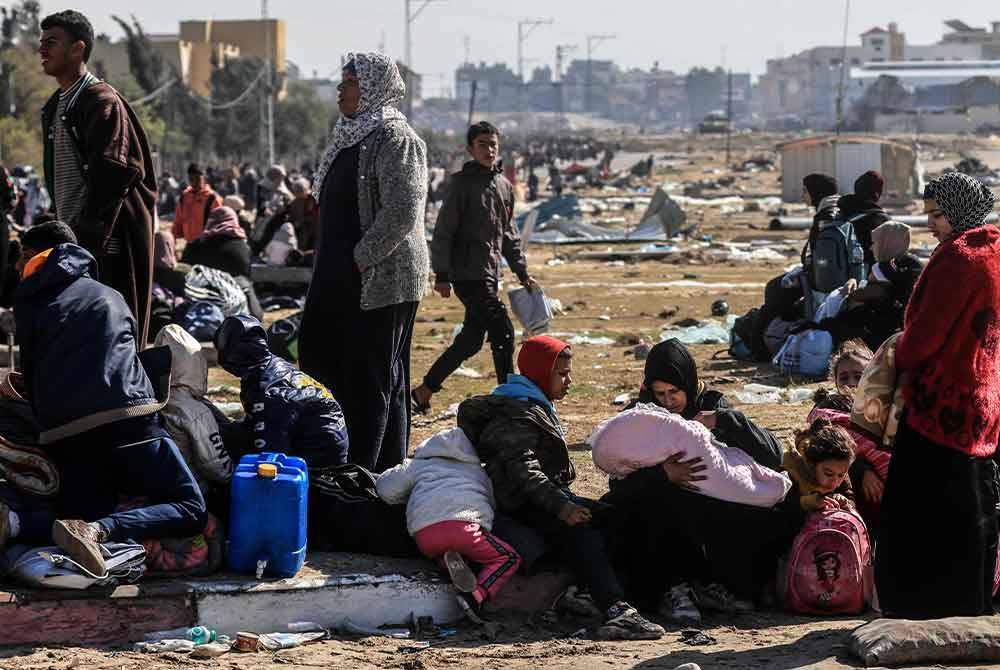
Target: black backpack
(746, 341)
(346, 514)
(837, 256)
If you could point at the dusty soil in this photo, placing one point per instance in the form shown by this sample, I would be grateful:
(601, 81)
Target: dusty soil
(621, 302)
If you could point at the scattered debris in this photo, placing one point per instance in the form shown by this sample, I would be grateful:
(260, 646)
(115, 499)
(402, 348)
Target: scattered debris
(974, 167)
(762, 394)
(701, 332)
(696, 638)
(622, 399)
(470, 373)
(668, 312)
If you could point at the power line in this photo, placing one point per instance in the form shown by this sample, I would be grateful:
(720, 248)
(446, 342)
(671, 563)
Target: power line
(153, 95)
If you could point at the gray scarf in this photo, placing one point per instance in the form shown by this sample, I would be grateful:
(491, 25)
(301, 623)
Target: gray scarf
(966, 201)
(382, 88)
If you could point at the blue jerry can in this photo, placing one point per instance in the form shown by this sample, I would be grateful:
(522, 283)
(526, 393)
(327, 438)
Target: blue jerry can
(268, 514)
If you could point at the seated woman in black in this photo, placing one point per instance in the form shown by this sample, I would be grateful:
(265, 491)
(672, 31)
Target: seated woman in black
(711, 554)
(223, 246)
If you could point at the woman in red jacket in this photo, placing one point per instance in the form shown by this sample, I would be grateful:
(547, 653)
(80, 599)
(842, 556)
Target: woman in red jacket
(938, 552)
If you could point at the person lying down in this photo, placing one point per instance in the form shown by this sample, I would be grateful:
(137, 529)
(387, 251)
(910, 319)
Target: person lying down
(647, 435)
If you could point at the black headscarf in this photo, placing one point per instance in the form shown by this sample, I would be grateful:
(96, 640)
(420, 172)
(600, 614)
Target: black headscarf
(820, 186)
(671, 362)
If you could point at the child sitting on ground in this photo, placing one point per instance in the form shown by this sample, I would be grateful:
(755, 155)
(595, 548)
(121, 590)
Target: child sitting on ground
(818, 467)
(871, 467)
(449, 513)
(190, 418)
(287, 410)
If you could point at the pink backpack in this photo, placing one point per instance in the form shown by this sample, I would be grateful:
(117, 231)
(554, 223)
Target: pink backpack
(829, 568)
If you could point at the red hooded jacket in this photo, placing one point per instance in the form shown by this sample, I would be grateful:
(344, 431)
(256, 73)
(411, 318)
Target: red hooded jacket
(950, 339)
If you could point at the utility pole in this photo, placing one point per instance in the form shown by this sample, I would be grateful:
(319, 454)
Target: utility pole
(843, 68)
(561, 51)
(593, 41)
(524, 28)
(268, 84)
(729, 120)
(411, 16)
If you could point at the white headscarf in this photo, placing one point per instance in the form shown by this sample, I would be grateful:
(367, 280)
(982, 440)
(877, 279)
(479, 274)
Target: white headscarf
(382, 87)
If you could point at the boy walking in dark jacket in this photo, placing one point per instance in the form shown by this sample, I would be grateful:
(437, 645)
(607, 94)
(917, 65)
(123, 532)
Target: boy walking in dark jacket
(474, 229)
(97, 405)
(520, 440)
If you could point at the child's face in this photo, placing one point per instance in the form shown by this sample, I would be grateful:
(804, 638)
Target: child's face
(849, 373)
(485, 149)
(830, 475)
(560, 379)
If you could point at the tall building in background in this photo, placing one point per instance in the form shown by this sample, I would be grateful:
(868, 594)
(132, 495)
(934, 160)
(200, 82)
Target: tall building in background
(200, 45)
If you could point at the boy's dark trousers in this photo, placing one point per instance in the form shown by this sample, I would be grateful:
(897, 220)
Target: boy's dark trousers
(582, 548)
(485, 314)
(96, 474)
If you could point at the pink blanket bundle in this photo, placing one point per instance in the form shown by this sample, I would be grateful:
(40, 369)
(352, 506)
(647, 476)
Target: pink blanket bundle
(647, 435)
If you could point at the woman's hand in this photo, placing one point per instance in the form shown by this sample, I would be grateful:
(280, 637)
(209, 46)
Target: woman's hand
(872, 487)
(574, 515)
(684, 473)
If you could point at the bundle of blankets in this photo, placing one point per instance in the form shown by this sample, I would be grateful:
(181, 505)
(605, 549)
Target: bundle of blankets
(647, 435)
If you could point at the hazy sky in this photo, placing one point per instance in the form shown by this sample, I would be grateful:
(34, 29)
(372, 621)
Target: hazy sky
(678, 34)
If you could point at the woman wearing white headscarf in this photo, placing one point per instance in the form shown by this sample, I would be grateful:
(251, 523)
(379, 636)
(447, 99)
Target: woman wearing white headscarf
(372, 262)
(937, 554)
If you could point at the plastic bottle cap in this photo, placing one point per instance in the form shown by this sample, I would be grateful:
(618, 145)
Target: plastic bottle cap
(268, 470)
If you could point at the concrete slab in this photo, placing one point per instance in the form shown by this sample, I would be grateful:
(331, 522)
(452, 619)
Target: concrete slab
(368, 591)
(270, 274)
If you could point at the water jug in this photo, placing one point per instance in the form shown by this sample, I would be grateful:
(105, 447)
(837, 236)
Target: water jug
(268, 511)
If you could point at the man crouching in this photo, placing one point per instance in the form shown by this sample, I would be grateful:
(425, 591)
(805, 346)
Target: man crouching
(97, 412)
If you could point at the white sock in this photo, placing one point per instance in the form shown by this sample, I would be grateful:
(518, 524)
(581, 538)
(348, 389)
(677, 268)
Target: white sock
(13, 525)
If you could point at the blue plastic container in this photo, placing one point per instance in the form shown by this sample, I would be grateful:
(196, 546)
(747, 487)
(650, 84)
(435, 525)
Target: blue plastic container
(268, 514)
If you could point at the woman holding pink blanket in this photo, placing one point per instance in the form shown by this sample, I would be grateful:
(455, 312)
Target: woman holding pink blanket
(682, 551)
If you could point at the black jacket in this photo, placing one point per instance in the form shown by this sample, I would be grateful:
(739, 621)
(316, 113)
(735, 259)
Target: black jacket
(864, 216)
(287, 410)
(79, 353)
(229, 254)
(523, 450)
(475, 227)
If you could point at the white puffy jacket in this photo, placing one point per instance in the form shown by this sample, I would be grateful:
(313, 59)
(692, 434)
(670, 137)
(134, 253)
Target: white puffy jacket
(444, 481)
(188, 415)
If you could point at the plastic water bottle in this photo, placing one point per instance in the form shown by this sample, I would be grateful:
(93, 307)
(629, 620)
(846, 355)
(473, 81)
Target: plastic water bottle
(201, 635)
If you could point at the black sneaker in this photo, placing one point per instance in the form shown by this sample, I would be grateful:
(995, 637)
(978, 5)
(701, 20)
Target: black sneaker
(471, 609)
(578, 602)
(624, 622)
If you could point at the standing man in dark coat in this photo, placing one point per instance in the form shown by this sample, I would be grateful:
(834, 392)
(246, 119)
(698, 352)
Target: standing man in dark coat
(98, 167)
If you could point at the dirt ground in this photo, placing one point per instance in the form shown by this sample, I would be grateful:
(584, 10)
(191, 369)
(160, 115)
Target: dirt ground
(620, 301)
